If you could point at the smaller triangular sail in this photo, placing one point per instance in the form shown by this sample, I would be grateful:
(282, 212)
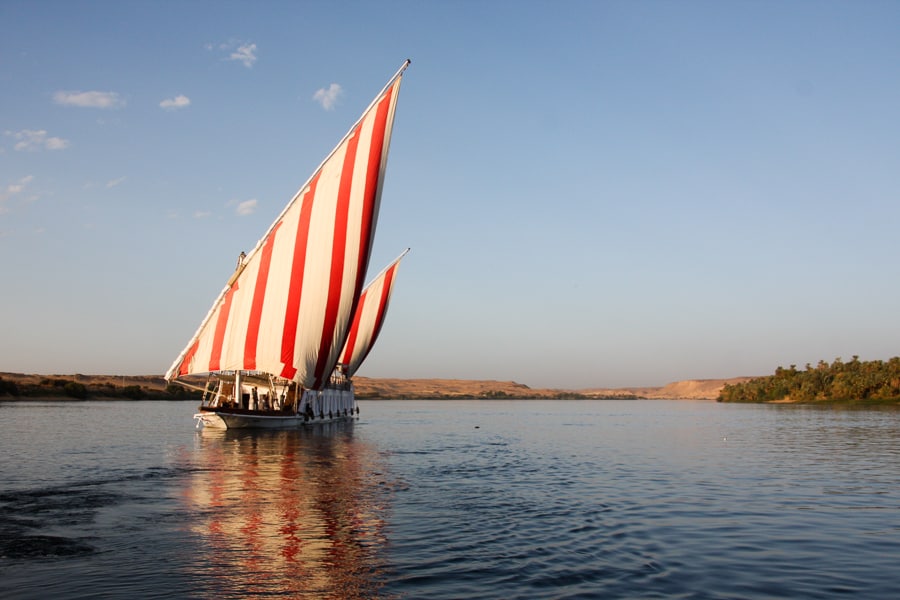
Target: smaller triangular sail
(369, 317)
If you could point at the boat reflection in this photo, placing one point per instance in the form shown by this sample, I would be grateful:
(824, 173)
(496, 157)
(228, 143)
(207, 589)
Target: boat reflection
(288, 513)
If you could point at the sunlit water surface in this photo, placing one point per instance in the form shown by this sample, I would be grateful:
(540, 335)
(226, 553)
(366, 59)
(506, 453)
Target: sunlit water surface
(468, 499)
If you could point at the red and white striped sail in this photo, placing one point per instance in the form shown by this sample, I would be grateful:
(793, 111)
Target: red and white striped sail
(287, 309)
(369, 318)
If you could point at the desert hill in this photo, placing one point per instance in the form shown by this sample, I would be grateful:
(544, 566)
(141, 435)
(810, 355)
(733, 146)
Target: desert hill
(689, 389)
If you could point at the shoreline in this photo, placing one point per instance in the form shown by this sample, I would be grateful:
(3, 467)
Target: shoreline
(16, 387)
(80, 386)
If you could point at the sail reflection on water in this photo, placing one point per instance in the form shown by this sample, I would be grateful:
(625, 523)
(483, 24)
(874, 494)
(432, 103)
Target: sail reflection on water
(288, 513)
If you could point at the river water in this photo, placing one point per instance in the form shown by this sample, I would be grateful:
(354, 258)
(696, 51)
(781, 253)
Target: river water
(452, 499)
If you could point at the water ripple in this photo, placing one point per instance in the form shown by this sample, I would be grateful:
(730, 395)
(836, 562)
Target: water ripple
(491, 500)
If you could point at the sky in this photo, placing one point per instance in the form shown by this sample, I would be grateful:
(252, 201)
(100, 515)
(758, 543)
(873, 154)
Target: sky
(596, 193)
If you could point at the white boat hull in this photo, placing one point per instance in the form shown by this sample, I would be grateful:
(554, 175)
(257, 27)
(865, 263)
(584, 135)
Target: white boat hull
(224, 419)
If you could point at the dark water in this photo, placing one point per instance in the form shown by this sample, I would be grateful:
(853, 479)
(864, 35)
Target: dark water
(490, 499)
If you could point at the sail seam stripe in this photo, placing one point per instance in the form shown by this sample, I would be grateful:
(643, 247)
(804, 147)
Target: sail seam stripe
(185, 366)
(338, 256)
(259, 294)
(375, 327)
(383, 304)
(373, 180)
(215, 358)
(292, 311)
(347, 355)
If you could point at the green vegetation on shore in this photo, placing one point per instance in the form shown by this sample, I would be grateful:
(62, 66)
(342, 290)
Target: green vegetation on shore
(855, 383)
(62, 387)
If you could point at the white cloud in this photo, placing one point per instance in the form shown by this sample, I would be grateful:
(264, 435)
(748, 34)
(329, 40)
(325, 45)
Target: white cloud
(114, 182)
(237, 50)
(55, 143)
(89, 99)
(201, 214)
(327, 97)
(31, 140)
(247, 207)
(179, 101)
(14, 189)
(246, 53)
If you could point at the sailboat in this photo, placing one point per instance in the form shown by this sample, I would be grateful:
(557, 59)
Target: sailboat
(292, 325)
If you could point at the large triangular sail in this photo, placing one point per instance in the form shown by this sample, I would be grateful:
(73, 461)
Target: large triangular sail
(287, 309)
(369, 318)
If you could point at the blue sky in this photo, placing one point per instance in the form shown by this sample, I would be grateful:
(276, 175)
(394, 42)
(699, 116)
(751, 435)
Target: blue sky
(596, 193)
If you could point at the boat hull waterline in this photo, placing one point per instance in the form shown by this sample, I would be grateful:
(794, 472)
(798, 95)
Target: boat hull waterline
(227, 419)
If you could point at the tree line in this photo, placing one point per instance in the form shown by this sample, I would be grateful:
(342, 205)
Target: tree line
(856, 381)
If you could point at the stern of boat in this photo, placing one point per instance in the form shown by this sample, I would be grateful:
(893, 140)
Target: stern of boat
(209, 419)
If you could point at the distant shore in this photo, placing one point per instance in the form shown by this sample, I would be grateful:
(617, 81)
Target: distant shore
(23, 387)
(154, 387)
(694, 389)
